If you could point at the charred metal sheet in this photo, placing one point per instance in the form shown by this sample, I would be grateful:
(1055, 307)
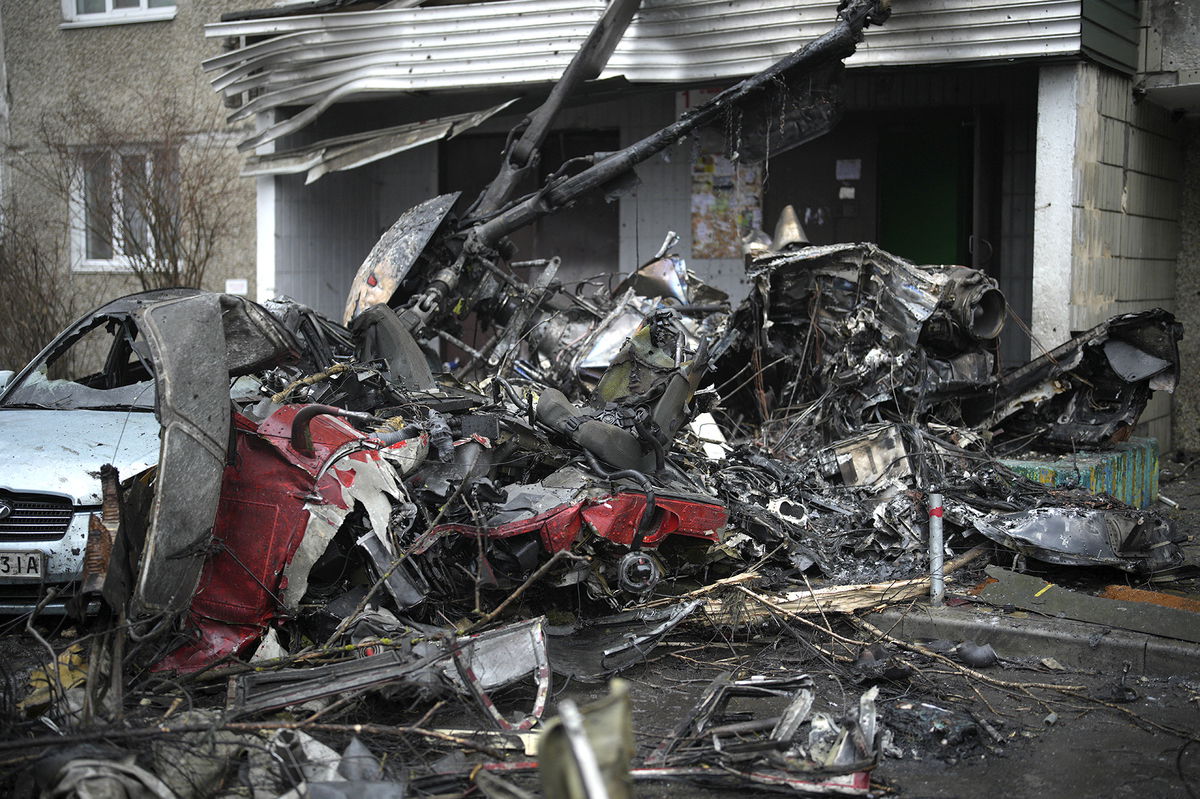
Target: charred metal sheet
(1128, 539)
(853, 321)
(866, 460)
(322, 341)
(186, 342)
(380, 336)
(501, 657)
(393, 256)
(260, 692)
(690, 740)
(254, 339)
(1088, 391)
(473, 666)
(359, 149)
(596, 649)
(774, 744)
(800, 111)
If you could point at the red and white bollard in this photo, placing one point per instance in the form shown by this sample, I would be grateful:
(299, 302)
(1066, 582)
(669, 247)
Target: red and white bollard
(937, 582)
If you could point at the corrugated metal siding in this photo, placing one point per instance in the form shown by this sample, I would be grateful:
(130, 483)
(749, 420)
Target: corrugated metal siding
(324, 230)
(1110, 33)
(316, 61)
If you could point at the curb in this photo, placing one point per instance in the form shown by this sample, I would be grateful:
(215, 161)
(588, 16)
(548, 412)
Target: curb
(1074, 644)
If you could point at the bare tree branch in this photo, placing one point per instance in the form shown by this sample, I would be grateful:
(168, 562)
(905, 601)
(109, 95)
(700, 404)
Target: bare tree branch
(162, 192)
(34, 304)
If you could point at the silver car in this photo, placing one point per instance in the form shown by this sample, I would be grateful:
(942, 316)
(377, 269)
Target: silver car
(86, 400)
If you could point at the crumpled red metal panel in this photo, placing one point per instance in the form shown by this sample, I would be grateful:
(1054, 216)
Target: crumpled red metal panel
(261, 520)
(213, 643)
(558, 528)
(614, 518)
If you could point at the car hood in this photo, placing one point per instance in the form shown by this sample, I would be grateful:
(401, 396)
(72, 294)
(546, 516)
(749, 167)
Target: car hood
(61, 452)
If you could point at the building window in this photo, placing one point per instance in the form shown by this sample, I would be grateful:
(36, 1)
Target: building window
(87, 13)
(117, 197)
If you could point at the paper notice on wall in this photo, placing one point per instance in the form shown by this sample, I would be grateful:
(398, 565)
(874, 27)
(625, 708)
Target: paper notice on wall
(848, 169)
(726, 203)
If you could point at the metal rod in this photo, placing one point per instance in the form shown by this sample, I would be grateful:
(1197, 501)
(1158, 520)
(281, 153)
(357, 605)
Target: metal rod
(838, 43)
(937, 582)
(302, 440)
(521, 154)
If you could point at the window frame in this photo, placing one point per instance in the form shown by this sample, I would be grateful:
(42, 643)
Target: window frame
(120, 262)
(72, 18)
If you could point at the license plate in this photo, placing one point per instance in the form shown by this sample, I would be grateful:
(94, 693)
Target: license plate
(20, 564)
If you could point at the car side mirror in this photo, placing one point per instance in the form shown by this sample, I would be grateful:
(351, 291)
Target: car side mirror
(6, 376)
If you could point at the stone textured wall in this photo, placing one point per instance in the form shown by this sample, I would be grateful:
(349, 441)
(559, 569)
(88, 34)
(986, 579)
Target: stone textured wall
(1128, 225)
(1126, 201)
(125, 70)
(1124, 220)
(1187, 290)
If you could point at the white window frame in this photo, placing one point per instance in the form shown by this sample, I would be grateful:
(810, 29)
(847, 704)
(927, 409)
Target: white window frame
(114, 16)
(120, 262)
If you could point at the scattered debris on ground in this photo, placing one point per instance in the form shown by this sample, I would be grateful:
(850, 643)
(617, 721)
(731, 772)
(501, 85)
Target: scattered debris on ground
(343, 569)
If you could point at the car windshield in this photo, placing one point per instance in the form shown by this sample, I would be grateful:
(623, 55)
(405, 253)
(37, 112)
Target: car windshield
(100, 366)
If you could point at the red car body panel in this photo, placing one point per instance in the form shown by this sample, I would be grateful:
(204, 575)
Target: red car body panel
(261, 520)
(614, 518)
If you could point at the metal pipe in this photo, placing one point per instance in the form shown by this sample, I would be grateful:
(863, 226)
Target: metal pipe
(937, 581)
(520, 155)
(301, 437)
(647, 518)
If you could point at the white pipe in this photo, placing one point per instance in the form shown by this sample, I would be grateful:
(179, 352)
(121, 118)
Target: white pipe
(937, 583)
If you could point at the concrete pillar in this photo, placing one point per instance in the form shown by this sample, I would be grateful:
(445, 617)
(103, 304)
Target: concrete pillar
(264, 271)
(264, 187)
(1053, 240)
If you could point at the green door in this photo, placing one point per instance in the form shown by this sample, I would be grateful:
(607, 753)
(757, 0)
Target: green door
(925, 187)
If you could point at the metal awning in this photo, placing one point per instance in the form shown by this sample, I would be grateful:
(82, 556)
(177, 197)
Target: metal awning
(355, 150)
(310, 62)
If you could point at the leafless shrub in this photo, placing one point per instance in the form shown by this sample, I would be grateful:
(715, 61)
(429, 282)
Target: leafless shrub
(155, 197)
(34, 302)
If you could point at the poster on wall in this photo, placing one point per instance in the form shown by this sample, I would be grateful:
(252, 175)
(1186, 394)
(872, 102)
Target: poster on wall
(726, 203)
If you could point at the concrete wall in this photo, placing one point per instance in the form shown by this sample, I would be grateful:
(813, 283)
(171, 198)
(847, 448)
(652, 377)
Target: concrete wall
(324, 230)
(1187, 290)
(1170, 70)
(125, 70)
(1170, 42)
(1107, 224)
